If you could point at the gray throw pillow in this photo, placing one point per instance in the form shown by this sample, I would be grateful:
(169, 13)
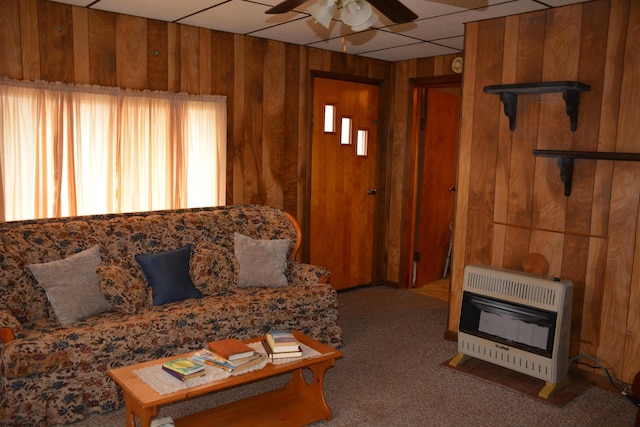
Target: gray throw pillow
(71, 285)
(262, 262)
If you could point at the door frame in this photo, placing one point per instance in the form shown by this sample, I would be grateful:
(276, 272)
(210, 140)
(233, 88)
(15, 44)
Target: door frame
(378, 267)
(406, 255)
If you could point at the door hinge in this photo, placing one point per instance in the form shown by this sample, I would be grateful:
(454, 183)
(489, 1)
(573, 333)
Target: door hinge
(416, 256)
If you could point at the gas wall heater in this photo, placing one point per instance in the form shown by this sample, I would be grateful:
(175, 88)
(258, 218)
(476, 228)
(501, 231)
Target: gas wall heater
(518, 321)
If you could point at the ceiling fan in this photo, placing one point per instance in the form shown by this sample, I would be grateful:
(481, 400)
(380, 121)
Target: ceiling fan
(356, 13)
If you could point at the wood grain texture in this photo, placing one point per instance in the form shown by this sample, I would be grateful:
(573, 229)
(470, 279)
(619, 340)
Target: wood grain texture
(204, 62)
(157, 55)
(56, 42)
(30, 40)
(102, 48)
(11, 48)
(81, 68)
(189, 59)
(131, 52)
(629, 113)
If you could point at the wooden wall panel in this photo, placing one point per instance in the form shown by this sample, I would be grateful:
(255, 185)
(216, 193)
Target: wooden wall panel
(503, 164)
(102, 48)
(56, 41)
(11, 48)
(273, 141)
(484, 155)
(524, 136)
(594, 290)
(157, 55)
(204, 53)
(629, 140)
(291, 116)
(30, 43)
(131, 52)
(591, 237)
(81, 68)
(189, 59)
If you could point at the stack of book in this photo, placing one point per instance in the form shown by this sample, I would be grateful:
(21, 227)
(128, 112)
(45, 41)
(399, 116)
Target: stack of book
(232, 355)
(281, 344)
(184, 369)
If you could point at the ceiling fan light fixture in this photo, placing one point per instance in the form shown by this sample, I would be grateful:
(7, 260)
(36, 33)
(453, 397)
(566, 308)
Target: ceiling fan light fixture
(323, 11)
(358, 14)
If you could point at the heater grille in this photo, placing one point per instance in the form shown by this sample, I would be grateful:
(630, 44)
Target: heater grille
(510, 286)
(506, 357)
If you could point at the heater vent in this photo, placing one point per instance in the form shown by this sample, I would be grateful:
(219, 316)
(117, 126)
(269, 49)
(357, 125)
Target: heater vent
(506, 357)
(502, 285)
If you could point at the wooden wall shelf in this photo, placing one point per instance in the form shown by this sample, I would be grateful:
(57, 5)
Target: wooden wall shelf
(565, 161)
(509, 96)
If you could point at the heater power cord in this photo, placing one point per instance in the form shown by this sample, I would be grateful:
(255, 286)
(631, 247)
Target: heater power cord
(622, 387)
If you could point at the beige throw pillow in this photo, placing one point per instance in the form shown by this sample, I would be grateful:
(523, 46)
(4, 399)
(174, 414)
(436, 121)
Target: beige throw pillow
(262, 262)
(71, 285)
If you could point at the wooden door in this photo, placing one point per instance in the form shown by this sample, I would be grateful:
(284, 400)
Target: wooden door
(434, 208)
(343, 190)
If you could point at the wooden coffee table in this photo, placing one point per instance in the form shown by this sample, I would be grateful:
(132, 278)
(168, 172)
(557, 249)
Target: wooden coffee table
(297, 403)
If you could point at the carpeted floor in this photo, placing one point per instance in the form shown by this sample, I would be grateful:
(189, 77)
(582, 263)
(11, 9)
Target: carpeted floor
(391, 375)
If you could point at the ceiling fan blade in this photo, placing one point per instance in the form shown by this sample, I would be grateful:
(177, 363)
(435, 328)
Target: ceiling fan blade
(394, 10)
(285, 6)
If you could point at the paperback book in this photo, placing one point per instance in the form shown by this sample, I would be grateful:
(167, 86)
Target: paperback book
(184, 369)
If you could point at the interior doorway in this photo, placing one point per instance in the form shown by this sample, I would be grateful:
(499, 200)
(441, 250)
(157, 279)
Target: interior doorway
(434, 157)
(343, 179)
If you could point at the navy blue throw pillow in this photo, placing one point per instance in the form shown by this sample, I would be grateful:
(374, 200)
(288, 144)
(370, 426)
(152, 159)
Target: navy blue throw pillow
(168, 275)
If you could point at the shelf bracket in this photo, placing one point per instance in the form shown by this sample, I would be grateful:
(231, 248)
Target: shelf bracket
(565, 164)
(572, 100)
(510, 102)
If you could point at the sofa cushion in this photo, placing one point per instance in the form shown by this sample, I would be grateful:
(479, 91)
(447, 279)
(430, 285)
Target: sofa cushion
(262, 262)
(167, 273)
(126, 292)
(73, 276)
(214, 269)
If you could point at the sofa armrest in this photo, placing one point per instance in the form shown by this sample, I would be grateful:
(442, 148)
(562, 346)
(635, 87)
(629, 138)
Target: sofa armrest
(299, 273)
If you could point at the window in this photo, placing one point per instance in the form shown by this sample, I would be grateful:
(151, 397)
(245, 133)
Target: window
(74, 150)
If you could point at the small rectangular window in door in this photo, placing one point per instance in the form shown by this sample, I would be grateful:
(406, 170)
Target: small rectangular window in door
(329, 118)
(362, 143)
(345, 132)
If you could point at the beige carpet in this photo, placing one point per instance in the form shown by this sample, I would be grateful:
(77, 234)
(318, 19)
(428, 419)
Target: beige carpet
(391, 375)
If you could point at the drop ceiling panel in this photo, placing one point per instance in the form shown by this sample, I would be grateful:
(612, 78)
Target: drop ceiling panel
(438, 30)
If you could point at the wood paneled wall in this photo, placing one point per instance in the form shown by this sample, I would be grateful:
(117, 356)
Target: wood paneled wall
(511, 203)
(267, 84)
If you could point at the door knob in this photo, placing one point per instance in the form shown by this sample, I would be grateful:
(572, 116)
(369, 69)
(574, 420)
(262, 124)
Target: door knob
(372, 191)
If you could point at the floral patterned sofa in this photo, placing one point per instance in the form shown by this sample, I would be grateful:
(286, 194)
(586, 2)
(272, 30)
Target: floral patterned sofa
(53, 368)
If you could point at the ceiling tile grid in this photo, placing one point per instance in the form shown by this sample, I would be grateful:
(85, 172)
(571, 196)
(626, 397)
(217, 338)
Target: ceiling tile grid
(439, 29)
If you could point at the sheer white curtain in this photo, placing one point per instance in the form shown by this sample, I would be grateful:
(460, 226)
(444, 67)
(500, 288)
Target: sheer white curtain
(79, 150)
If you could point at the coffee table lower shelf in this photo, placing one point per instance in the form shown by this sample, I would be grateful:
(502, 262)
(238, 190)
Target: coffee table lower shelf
(280, 407)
